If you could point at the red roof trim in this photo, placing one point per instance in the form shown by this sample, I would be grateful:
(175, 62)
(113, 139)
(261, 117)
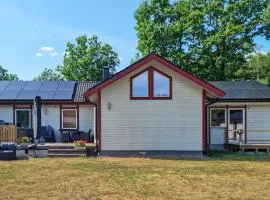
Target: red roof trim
(208, 87)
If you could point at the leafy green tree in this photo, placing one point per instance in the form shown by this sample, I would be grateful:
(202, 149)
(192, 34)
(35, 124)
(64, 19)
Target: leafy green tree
(209, 38)
(136, 58)
(5, 76)
(85, 60)
(49, 75)
(258, 68)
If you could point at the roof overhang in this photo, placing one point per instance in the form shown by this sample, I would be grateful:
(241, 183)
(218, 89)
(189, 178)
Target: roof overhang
(201, 83)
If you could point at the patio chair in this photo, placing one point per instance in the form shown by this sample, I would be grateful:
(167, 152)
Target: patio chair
(75, 136)
(47, 133)
(85, 135)
(65, 136)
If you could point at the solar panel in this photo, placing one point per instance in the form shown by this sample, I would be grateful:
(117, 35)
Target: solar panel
(63, 94)
(3, 85)
(66, 85)
(32, 85)
(15, 85)
(28, 90)
(27, 94)
(10, 94)
(46, 94)
(49, 85)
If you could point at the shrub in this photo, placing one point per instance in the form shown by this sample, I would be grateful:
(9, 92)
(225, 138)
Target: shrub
(80, 143)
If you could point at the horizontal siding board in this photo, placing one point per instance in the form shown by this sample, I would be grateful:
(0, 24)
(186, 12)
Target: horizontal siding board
(6, 113)
(152, 124)
(50, 115)
(86, 117)
(217, 135)
(258, 123)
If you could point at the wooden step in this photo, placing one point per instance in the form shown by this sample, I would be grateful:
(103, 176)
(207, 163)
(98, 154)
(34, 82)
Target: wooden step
(70, 155)
(60, 146)
(67, 151)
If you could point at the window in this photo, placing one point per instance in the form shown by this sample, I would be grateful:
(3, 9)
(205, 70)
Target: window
(69, 118)
(151, 84)
(218, 117)
(236, 117)
(161, 85)
(140, 85)
(23, 118)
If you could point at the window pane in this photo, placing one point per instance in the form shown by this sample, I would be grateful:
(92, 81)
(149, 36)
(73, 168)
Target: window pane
(23, 118)
(140, 85)
(69, 119)
(218, 118)
(161, 85)
(236, 116)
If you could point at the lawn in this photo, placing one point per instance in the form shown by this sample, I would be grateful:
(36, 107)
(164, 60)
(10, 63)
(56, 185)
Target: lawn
(222, 176)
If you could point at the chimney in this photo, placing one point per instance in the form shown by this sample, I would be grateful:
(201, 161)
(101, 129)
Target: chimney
(106, 73)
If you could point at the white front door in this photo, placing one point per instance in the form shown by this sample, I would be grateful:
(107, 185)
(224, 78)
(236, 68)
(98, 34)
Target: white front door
(236, 120)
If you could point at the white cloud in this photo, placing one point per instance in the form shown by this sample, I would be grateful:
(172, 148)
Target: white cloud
(46, 51)
(39, 54)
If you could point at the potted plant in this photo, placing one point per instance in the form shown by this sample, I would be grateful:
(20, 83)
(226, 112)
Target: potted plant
(80, 144)
(25, 141)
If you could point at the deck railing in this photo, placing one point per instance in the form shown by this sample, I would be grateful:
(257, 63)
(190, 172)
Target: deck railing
(8, 133)
(242, 138)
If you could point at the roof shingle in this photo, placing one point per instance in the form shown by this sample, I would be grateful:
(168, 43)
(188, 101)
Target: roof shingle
(243, 90)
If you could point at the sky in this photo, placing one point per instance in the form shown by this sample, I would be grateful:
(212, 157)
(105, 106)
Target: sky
(34, 34)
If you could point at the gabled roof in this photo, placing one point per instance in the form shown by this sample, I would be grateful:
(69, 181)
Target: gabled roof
(201, 83)
(243, 90)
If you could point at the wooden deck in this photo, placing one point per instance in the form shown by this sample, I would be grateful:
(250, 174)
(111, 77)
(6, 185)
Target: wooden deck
(248, 147)
(90, 145)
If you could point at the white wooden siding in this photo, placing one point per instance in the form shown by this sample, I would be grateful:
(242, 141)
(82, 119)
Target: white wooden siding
(6, 113)
(50, 115)
(152, 124)
(86, 117)
(258, 123)
(217, 135)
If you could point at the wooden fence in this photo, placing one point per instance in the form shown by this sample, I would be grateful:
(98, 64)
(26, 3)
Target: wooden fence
(8, 133)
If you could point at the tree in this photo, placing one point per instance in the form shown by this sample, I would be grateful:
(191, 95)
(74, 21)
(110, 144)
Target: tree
(85, 60)
(5, 76)
(49, 75)
(136, 57)
(209, 38)
(258, 68)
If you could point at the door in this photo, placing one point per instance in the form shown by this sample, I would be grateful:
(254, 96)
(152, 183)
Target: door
(236, 121)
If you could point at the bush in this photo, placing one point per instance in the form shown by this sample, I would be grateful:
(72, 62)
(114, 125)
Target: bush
(80, 143)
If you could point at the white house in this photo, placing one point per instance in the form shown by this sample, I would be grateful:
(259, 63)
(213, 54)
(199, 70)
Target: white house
(152, 106)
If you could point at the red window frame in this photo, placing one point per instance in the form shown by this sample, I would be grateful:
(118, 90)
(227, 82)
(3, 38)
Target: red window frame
(150, 85)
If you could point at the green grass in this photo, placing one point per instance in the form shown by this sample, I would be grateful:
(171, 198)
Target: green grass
(220, 176)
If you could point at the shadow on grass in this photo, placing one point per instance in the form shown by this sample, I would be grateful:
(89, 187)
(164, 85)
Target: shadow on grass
(236, 156)
(220, 156)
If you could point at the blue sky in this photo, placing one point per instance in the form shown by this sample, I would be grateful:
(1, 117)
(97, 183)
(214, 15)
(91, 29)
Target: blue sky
(33, 34)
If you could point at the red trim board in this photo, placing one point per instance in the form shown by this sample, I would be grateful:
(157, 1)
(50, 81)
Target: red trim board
(204, 136)
(99, 121)
(208, 87)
